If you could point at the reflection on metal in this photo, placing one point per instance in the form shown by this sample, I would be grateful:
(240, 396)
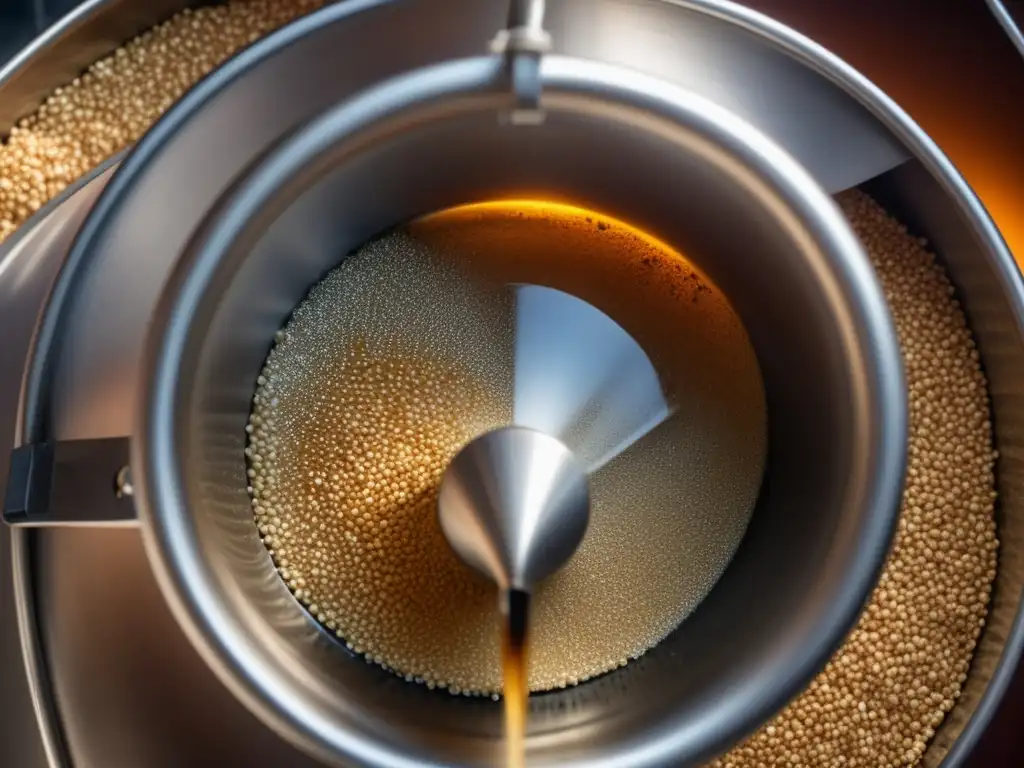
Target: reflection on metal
(991, 291)
(581, 378)
(123, 483)
(1008, 23)
(514, 504)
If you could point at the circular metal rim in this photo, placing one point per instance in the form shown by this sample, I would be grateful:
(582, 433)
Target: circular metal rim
(857, 306)
(1006, 20)
(802, 48)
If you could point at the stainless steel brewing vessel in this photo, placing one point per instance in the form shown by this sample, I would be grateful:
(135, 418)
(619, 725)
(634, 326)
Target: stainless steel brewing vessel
(69, 397)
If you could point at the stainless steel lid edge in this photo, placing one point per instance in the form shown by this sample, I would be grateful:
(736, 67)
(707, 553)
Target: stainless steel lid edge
(1008, 23)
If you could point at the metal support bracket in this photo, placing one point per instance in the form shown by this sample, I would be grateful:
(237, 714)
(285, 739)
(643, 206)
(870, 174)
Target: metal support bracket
(70, 482)
(523, 43)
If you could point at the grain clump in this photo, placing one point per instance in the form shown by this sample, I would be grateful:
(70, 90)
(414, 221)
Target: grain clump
(383, 372)
(882, 696)
(415, 345)
(113, 103)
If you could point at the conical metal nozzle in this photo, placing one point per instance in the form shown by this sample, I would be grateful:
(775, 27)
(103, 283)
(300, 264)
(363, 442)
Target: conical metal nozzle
(514, 504)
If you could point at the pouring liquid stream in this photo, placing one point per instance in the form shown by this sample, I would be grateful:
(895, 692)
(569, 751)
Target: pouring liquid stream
(515, 606)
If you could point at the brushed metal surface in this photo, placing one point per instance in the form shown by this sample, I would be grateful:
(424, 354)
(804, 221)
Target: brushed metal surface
(568, 353)
(943, 64)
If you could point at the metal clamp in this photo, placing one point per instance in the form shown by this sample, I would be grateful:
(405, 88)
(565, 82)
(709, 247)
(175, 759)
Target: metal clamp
(70, 482)
(523, 42)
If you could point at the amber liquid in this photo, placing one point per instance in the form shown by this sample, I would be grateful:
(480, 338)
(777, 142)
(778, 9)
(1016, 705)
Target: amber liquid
(515, 615)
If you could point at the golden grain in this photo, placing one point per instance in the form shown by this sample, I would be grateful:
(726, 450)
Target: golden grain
(113, 103)
(882, 696)
(402, 355)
